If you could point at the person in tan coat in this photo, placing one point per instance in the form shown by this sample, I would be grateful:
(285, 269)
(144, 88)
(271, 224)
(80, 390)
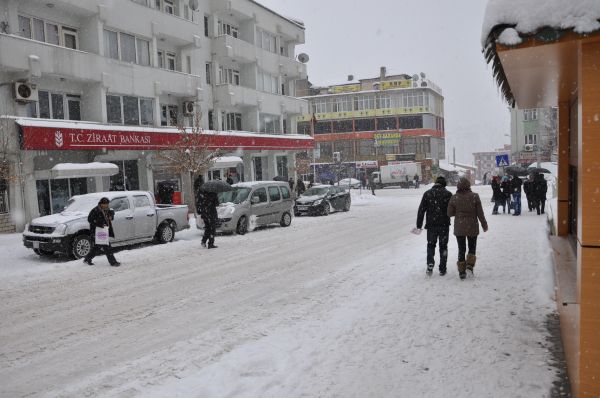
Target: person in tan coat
(465, 206)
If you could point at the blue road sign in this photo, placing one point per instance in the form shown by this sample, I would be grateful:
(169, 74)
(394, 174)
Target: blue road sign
(502, 160)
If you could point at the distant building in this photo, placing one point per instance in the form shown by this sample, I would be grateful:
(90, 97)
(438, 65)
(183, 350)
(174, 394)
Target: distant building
(533, 134)
(373, 119)
(486, 162)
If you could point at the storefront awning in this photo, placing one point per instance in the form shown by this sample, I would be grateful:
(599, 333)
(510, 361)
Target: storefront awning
(80, 170)
(227, 161)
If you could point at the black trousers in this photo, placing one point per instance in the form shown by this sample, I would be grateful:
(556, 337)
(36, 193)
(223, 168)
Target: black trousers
(435, 234)
(97, 250)
(462, 246)
(210, 230)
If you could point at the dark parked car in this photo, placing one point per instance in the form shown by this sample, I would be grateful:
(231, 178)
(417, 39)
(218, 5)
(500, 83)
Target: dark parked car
(322, 199)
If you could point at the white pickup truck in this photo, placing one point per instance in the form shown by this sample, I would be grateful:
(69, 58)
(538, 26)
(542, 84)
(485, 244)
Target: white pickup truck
(137, 219)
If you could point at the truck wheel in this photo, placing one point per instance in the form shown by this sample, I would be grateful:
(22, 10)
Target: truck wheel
(44, 253)
(242, 226)
(286, 219)
(165, 233)
(81, 246)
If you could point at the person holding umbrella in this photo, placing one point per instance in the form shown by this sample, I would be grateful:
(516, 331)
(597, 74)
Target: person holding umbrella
(540, 188)
(208, 201)
(515, 185)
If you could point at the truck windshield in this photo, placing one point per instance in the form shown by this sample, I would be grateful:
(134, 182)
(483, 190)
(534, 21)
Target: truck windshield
(237, 196)
(81, 204)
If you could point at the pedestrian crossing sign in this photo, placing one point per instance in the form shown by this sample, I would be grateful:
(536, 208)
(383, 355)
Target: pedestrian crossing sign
(502, 160)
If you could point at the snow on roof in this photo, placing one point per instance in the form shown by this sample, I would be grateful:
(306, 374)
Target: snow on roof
(527, 16)
(79, 166)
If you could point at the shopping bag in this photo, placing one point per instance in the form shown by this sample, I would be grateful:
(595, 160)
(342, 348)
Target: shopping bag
(416, 231)
(102, 236)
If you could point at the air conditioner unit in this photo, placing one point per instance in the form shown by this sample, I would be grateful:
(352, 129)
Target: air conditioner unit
(189, 108)
(26, 92)
(337, 157)
(529, 147)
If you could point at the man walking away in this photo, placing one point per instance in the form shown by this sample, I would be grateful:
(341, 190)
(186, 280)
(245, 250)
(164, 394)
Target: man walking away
(372, 183)
(515, 185)
(466, 207)
(529, 194)
(497, 196)
(434, 204)
(207, 205)
(505, 185)
(416, 178)
(540, 188)
(100, 217)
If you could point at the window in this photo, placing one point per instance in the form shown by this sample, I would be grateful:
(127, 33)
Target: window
(228, 29)
(165, 6)
(411, 122)
(37, 29)
(119, 204)
(208, 72)
(342, 104)
(266, 41)
(323, 127)
(74, 107)
(229, 76)
(211, 120)
(285, 192)
(69, 37)
(384, 102)
(269, 124)
(188, 62)
(111, 44)
(267, 82)
(206, 32)
(530, 114)
(169, 115)
(366, 147)
(261, 194)
(143, 52)
(53, 195)
(167, 60)
(282, 166)
(39, 33)
(25, 27)
(127, 48)
(131, 111)
(171, 63)
(531, 139)
(141, 201)
(127, 179)
(386, 123)
(59, 106)
(342, 126)
(232, 121)
(274, 194)
(52, 36)
(320, 106)
(364, 125)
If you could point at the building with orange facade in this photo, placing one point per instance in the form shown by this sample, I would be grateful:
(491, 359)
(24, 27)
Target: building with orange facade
(547, 54)
(376, 118)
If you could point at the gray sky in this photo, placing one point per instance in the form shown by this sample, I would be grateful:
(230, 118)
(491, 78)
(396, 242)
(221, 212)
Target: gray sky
(438, 37)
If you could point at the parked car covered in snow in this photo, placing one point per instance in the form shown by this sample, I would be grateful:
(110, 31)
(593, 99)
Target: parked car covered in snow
(137, 219)
(349, 182)
(253, 204)
(321, 199)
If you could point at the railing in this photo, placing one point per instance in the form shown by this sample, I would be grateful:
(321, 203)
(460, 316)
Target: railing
(4, 202)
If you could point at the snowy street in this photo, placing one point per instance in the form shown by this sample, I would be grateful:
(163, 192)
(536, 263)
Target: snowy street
(335, 306)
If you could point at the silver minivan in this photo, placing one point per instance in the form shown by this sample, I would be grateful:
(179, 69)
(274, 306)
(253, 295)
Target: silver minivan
(254, 204)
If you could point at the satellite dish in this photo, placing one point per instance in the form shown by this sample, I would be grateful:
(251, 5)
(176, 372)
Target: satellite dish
(350, 78)
(423, 84)
(415, 77)
(423, 75)
(194, 5)
(302, 57)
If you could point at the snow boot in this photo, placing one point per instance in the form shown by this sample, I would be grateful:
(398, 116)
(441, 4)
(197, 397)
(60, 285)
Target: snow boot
(471, 258)
(462, 266)
(429, 271)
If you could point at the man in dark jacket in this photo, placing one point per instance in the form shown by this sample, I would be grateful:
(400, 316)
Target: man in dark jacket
(505, 185)
(497, 196)
(434, 204)
(207, 207)
(101, 216)
(515, 185)
(529, 194)
(540, 188)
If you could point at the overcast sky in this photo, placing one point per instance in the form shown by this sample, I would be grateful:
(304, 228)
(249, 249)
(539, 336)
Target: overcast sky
(438, 37)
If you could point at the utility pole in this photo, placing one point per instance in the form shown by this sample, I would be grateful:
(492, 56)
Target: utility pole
(454, 156)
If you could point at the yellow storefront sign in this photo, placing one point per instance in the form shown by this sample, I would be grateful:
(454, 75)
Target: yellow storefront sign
(396, 84)
(387, 136)
(347, 88)
(364, 113)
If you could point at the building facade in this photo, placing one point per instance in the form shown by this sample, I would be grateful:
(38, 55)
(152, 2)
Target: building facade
(103, 81)
(533, 134)
(377, 118)
(486, 163)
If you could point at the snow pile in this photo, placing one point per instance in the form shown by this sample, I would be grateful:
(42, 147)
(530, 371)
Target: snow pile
(530, 15)
(510, 37)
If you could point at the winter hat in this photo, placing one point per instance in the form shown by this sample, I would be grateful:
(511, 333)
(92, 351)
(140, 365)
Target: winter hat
(463, 184)
(441, 180)
(104, 201)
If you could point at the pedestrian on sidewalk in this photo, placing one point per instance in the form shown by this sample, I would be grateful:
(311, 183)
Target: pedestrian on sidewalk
(465, 206)
(515, 185)
(497, 196)
(529, 194)
(101, 217)
(505, 185)
(434, 205)
(540, 188)
(207, 207)
(416, 179)
(372, 183)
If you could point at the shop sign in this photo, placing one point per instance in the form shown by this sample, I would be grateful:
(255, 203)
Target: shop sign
(366, 164)
(396, 84)
(347, 88)
(386, 139)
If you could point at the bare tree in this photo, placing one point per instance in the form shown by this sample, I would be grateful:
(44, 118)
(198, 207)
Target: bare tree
(193, 153)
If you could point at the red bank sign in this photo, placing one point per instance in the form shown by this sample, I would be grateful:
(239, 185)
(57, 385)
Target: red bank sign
(52, 138)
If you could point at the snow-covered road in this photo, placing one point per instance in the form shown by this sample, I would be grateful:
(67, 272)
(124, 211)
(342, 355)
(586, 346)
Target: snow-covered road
(330, 307)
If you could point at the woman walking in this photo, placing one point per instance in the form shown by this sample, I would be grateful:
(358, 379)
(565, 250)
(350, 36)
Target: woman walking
(466, 207)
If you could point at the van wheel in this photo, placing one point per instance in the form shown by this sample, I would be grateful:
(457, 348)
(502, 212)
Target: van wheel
(242, 226)
(326, 209)
(81, 246)
(286, 219)
(165, 233)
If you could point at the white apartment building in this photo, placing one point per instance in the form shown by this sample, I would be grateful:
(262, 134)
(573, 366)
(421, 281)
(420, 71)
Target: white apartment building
(533, 134)
(86, 81)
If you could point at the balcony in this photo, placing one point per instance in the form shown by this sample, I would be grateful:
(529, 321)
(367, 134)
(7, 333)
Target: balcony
(39, 59)
(229, 96)
(226, 46)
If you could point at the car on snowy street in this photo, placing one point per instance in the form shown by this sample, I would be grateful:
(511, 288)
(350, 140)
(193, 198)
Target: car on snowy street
(322, 199)
(253, 204)
(349, 182)
(137, 219)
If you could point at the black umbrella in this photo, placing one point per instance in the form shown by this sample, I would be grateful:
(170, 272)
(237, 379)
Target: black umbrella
(539, 170)
(216, 186)
(516, 171)
(279, 178)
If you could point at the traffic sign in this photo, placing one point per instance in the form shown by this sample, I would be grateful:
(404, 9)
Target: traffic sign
(502, 160)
